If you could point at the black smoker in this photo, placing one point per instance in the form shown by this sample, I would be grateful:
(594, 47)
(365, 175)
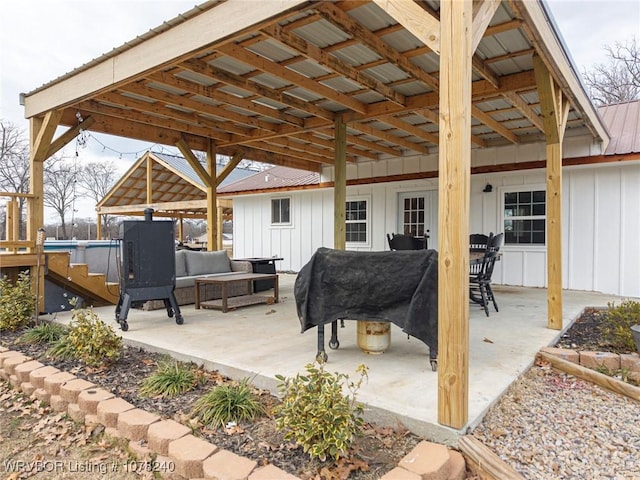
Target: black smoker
(148, 268)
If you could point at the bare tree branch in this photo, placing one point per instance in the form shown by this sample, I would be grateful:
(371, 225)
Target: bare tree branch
(619, 80)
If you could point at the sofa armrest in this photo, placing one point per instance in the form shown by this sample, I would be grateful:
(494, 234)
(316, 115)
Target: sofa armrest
(241, 266)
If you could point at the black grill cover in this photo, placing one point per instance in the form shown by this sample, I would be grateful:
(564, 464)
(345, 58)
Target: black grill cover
(396, 286)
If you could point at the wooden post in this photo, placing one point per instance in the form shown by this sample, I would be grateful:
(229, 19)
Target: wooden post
(219, 220)
(340, 184)
(99, 227)
(554, 110)
(35, 208)
(212, 200)
(149, 179)
(453, 212)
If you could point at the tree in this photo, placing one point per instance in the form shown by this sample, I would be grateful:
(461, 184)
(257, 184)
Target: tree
(14, 163)
(60, 179)
(619, 80)
(95, 180)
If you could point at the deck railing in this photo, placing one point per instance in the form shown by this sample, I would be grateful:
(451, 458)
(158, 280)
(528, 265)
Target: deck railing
(14, 240)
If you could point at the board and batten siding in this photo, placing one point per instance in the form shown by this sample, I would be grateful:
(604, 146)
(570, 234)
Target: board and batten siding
(601, 225)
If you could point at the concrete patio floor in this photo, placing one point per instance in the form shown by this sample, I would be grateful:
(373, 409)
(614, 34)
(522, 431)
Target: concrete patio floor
(261, 341)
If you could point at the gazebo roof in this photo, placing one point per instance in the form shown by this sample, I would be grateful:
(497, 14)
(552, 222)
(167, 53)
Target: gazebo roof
(269, 81)
(174, 187)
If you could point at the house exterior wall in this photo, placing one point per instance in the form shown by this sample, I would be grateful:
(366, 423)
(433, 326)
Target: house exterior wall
(601, 218)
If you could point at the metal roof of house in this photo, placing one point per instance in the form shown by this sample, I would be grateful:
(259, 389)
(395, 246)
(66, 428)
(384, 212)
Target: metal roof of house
(275, 177)
(269, 82)
(623, 121)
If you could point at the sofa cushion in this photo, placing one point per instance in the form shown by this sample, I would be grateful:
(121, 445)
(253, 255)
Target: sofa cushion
(181, 263)
(199, 263)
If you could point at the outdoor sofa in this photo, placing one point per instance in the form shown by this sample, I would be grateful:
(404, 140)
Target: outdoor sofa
(194, 264)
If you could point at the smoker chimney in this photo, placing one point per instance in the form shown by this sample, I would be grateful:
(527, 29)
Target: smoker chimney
(148, 214)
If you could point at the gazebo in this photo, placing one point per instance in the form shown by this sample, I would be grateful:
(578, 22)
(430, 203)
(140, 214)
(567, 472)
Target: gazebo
(316, 85)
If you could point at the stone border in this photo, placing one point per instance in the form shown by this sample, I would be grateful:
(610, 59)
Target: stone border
(170, 441)
(569, 362)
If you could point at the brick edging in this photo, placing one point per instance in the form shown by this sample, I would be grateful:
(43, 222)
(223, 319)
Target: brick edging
(612, 362)
(172, 442)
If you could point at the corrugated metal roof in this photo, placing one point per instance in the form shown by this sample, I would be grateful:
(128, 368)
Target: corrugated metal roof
(623, 122)
(276, 177)
(313, 61)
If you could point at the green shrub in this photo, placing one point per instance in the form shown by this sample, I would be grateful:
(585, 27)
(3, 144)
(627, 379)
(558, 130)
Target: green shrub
(17, 302)
(170, 379)
(228, 403)
(315, 412)
(617, 323)
(47, 332)
(89, 339)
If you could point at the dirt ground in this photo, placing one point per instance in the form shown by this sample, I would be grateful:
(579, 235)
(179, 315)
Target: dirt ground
(38, 443)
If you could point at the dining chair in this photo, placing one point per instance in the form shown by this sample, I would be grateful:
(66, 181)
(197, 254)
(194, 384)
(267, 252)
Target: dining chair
(478, 242)
(399, 241)
(481, 272)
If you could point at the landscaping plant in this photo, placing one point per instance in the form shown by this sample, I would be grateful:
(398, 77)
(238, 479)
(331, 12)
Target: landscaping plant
(234, 402)
(89, 340)
(315, 412)
(47, 332)
(170, 379)
(617, 323)
(17, 302)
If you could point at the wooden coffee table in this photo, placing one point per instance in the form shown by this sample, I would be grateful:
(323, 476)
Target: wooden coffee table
(225, 302)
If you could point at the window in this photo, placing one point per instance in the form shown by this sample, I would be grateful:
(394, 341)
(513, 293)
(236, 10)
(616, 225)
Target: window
(525, 217)
(356, 215)
(280, 211)
(413, 214)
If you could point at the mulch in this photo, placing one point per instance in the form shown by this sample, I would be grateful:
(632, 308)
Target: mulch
(376, 451)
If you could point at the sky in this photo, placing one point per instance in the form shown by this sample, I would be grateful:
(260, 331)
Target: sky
(41, 40)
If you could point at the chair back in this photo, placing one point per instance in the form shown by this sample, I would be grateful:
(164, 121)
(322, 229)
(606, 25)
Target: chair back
(478, 242)
(495, 242)
(482, 270)
(398, 241)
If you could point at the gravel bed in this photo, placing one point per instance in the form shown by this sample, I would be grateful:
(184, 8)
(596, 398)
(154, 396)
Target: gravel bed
(551, 425)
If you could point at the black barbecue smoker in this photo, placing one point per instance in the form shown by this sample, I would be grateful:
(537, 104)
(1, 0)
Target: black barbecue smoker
(147, 266)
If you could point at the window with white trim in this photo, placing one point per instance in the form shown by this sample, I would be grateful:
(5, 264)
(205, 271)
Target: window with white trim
(281, 211)
(525, 217)
(357, 220)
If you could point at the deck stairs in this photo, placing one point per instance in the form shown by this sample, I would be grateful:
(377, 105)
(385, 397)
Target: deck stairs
(76, 278)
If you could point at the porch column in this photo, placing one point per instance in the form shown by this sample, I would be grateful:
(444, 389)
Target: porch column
(453, 212)
(212, 199)
(340, 184)
(99, 227)
(555, 111)
(40, 137)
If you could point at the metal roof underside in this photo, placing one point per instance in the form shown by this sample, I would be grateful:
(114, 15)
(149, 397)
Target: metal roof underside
(273, 91)
(173, 180)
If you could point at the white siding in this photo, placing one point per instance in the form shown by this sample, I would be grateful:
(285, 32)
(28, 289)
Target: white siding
(601, 223)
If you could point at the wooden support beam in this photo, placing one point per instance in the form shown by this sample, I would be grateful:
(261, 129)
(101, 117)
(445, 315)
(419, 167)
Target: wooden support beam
(69, 135)
(183, 146)
(489, 121)
(453, 213)
(149, 179)
(482, 14)
(424, 26)
(340, 185)
(42, 141)
(35, 208)
(215, 228)
(228, 168)
(554, 112)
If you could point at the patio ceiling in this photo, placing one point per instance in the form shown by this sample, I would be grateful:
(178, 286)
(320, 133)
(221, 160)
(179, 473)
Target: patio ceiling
(269, 83)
